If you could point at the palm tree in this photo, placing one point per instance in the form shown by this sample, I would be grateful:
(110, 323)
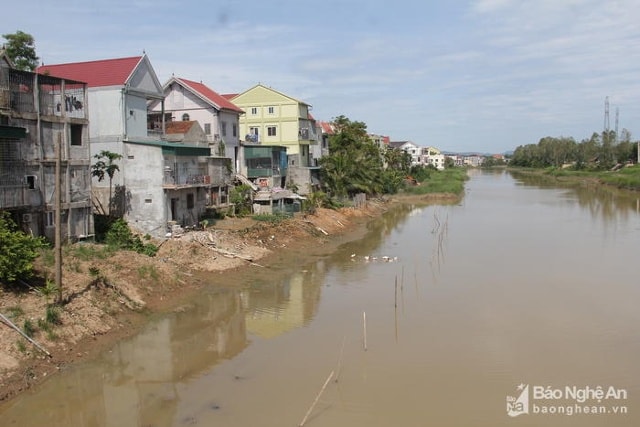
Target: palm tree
(106, 166)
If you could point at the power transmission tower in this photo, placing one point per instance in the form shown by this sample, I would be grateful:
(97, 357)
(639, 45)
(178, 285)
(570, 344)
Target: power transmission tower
(606, 116)
(617, 116)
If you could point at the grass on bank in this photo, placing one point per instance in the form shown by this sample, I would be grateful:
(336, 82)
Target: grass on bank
(627, 178)
(450, 180)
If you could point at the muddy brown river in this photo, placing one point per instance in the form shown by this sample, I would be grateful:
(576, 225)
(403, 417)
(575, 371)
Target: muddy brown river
(516, 307)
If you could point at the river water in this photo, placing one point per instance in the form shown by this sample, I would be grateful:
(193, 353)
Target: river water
(521, 290)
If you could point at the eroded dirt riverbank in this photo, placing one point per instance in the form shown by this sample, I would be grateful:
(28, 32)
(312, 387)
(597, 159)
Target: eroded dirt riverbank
(137, 288)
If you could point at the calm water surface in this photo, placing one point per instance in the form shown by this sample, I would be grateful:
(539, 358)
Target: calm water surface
(520, 283)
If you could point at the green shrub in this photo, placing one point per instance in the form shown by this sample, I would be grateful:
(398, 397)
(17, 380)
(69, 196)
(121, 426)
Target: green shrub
(28, 328)
(17, 251)
(240, 197)
(120, 236)
(274, 218)
(52, 315)
(15, 311)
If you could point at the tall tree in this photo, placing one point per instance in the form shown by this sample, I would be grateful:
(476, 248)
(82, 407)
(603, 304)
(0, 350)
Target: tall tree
(354, 164)
(20, 48)
(105, 166)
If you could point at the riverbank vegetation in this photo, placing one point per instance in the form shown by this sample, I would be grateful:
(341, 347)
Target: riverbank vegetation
(603, 158)
(355, 164)
(627, 178)
(431, 180)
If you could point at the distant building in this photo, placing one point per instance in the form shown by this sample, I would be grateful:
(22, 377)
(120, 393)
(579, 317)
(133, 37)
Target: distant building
(410, 148)
(432, 156)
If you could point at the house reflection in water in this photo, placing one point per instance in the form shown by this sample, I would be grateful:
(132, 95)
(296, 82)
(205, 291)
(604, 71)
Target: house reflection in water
(273, 309)
(139, 381)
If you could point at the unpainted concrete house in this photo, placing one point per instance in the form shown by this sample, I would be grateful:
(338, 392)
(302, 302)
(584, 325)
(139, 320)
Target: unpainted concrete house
(44, 146)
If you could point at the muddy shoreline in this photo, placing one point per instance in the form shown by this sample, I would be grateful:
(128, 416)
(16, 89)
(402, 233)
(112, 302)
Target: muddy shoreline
(100, 316)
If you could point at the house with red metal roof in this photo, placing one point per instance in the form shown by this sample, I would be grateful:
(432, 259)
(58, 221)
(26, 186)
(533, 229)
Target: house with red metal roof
(159, 183)
(187, 100)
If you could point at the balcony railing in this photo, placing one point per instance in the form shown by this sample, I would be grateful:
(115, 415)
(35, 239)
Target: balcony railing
(186, 180)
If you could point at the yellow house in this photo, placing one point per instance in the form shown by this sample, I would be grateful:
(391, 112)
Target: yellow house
(273, 118)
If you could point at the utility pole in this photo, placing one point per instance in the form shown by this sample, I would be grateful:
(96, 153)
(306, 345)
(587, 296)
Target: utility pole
(57, 219)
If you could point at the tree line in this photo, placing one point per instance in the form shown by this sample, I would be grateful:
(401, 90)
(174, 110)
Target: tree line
(600, 151)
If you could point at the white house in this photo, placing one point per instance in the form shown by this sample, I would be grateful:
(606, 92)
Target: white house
(411, 148)
(432, 156)
(186, 100)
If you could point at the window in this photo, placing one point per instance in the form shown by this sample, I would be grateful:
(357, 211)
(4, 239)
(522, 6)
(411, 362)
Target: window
(185, 117)
(235, 129)
(254, 111)
(190, 201)
(50, 219)
(207, 128)
(271, 110)
(76, 134)
(253, 135)
(30, 180)
(224, 128)
(271, 130)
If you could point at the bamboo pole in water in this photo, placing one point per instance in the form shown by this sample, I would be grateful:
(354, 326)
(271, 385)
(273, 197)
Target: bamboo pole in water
(340, 359)
(304, 420)
(395, 304)
(364, 331)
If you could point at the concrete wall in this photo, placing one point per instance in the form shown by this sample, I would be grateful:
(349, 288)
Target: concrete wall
(144, 202)
(105, 114)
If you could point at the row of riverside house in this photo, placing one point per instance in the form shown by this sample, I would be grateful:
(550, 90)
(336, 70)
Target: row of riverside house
(181, 146)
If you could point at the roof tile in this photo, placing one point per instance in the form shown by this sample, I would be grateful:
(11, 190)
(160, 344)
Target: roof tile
(106, 72)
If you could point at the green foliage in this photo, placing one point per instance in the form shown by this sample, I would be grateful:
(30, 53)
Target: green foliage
(240, 196)
(28, 328)
(626, 178)
(88, 252)
(47, 256)
(491, 162)
(52, 315)
(274, 218)
(354, 164)
(446, 181)
(599, 152)
(120, 236)
(148, 272)
(15, 312)
(20, 48)
(105, 166)
(421, 172)
(17, 251)
(48, 290)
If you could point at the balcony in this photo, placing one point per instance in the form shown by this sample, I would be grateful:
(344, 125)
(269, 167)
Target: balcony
(263, 171)
(56, 97)
(176, 176)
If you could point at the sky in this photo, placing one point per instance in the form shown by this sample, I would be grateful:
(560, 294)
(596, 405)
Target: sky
(461, 75)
